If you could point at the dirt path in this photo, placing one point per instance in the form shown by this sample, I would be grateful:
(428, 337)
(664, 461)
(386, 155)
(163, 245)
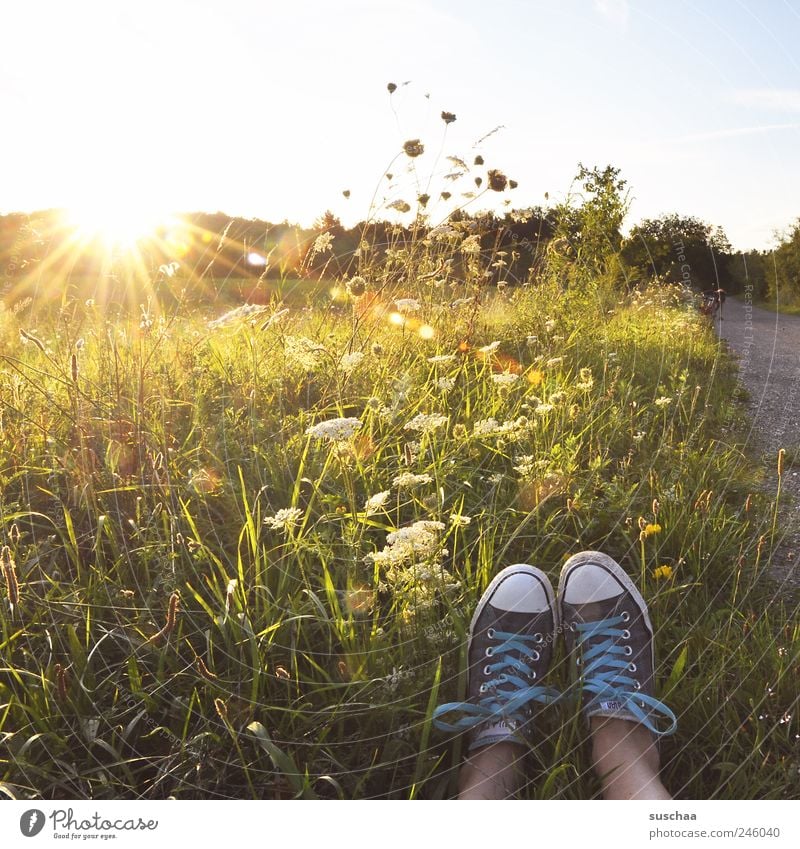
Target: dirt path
(768, 346)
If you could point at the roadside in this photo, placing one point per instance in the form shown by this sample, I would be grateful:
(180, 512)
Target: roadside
(768, 347)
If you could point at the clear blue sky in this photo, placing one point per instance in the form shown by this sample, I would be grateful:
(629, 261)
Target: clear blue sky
(272, 109)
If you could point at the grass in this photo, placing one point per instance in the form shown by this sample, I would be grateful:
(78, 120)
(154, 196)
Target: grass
(199, 603)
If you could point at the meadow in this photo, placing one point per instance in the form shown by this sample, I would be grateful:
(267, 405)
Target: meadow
(241, 554)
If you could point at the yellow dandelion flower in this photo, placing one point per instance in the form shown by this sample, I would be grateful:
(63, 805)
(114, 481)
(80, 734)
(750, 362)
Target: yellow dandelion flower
(663, 572)
(650, 530)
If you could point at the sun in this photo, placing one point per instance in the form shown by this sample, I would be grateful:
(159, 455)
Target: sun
(118, 224)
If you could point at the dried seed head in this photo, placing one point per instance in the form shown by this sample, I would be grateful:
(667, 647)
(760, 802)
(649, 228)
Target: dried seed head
(346, 193)
(74, 367)
(414, 148)
(478, 181)
(747, 503)
(448, 117)
(497, 180)
(204, 671)
(14, 534)
(781, 455)
(392, 88)
(172, 615)
(446, 195)
(10, 575)
(62, 683)
(512, 184)
(280, 672)
(479, 160)
(423, 199)
(222, 709)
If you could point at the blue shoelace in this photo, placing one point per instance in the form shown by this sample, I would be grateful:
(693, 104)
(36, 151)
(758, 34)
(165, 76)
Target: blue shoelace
(509, 673)
(604, 666)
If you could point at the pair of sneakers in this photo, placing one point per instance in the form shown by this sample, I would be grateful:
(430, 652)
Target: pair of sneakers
(609, 640)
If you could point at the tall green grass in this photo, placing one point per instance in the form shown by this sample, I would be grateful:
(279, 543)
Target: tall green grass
(141, 457)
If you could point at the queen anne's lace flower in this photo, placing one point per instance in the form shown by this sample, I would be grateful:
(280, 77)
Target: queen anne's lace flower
(334, 430)
(425, 423)
(284, 519)
(376, 502)
(407, 480)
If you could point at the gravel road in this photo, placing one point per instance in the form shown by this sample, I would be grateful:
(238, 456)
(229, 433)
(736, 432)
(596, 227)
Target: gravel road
(768, 347)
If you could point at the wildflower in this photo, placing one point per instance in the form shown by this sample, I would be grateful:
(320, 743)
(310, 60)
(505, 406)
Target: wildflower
(490, 348)
(457, 520)
(471, 245)
(557, 397)
(462, 302)
(448, 117)
(663, 401)
(408, 480)
(425, 423)
(376, 502)
(497, 180)
(405, 305)
(350, 361)
(650, 529)
(374, 404)
(445, 384)
(414, 148)
(505, 379)
(491, 427)
(322, 243)
(554, 361)
(586, 380)
(549, 324)
(377, 349)
(334, 430)
(441, 358)
(356, 286)
(543, 409)
(284, 519)
(460, 431)
(664, 572)
(302, 352)
(417, 543)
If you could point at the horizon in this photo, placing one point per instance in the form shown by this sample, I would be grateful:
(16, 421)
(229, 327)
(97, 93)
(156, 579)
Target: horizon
(192, 112)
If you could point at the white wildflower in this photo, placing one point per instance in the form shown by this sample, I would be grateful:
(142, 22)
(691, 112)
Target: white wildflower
(284, 519)
(662, 401)
(458, 520)
(407, 480)
(471, 245)
(334, 430)
(491, 427)
(490, 348)
(322, 243)
(376, 502)
(274, 319)
(350, 361)
(462, 302)
(441, 358)
(554, 361)
(425, 423)
(405, 305)
(445, 384)
(303, 352)
(505, 379)
(543, 409)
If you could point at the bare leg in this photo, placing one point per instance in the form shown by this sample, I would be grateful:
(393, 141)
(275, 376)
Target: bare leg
(626, 759)
(491, 772)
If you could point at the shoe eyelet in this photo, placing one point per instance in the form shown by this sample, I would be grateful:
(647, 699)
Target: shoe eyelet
(632, 667)
(538, 638)
(626, 634)
(490, 633)
(536, 655)
(573, 626)
(482, 689)
(489, 652)
(626, 617)
(502, 678)
(532, 676)
(577, 661)
(487, 670)
(628, 651)
(637, 685)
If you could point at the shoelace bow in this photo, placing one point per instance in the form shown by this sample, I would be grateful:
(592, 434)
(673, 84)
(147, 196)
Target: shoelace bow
(604, 665)
(501, 704)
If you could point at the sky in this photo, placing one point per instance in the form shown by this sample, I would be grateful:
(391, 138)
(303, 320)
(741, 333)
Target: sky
(272, 109)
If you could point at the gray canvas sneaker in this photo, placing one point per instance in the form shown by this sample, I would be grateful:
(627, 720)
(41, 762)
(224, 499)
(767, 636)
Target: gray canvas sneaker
(510, 646)
(609, 638)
